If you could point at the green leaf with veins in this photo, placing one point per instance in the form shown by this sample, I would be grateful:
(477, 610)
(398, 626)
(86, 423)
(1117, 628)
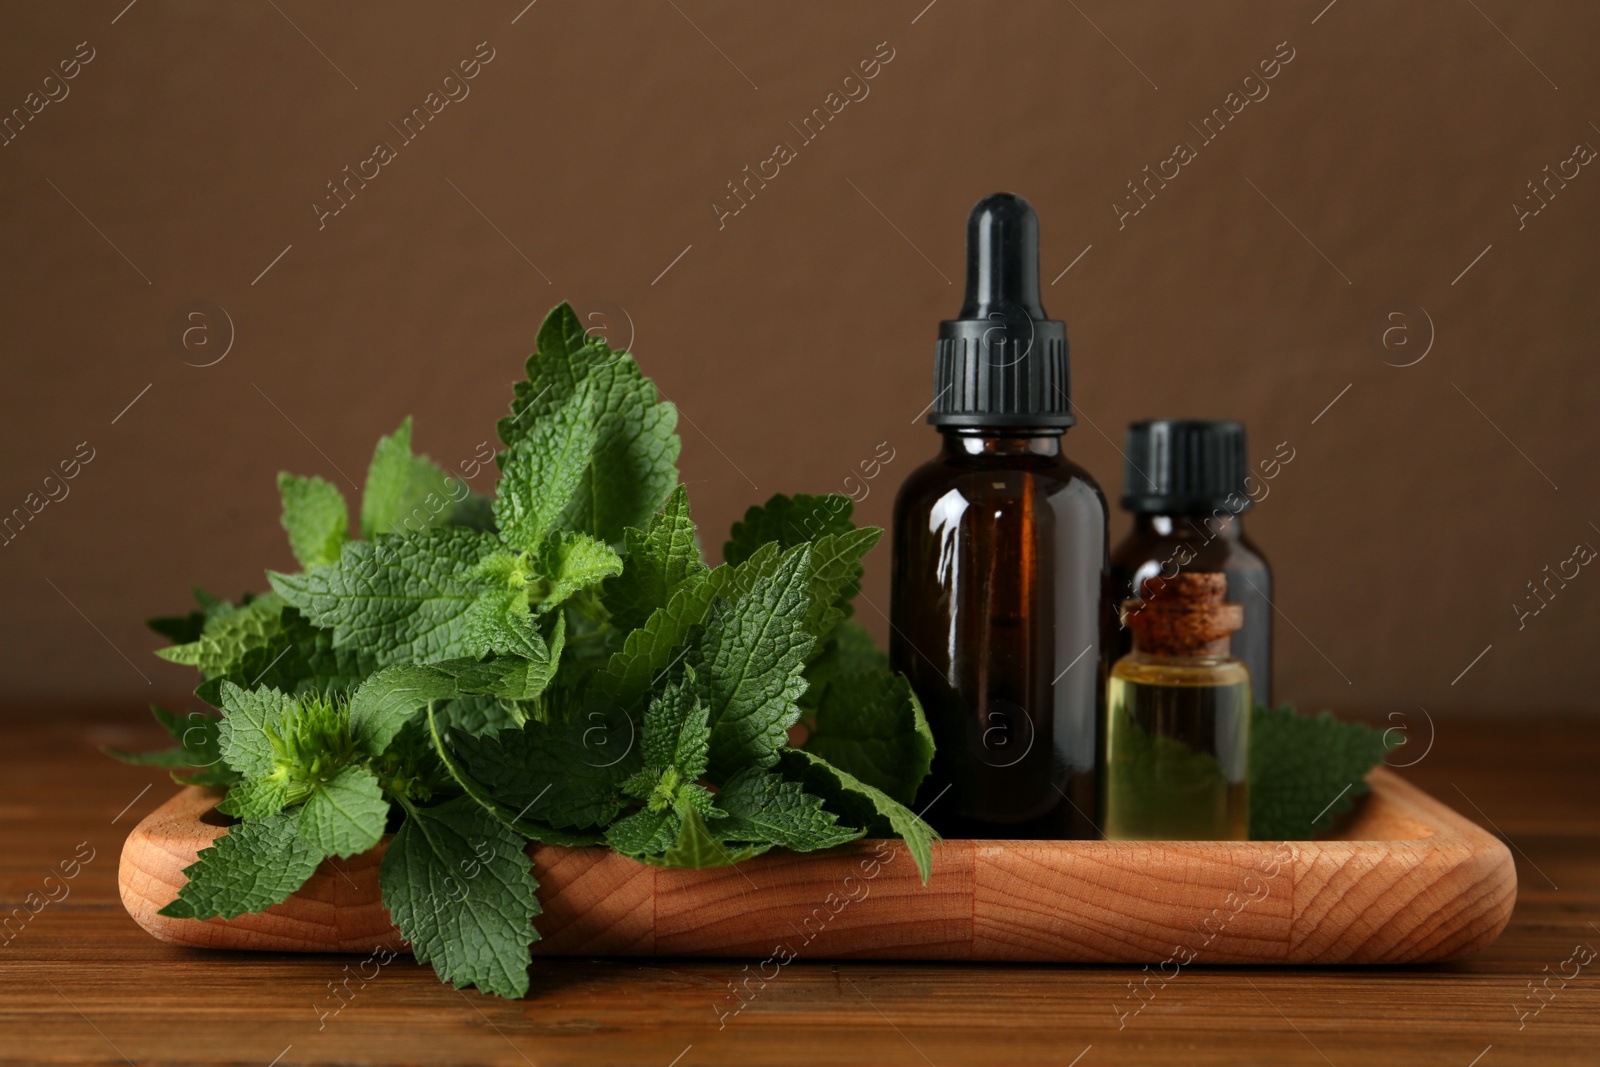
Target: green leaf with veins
(836, 577)
(658, 561)
(477, 715)
(676, 731)
(521, 677)
(250, 719)
(460, 888)
(345, 814)
(441, 594)
(749, 667)
(656, 645)
(404, 493)
(859, 804)
(1307, 770)
(651, 648)
(788, 521)
(764, 807)
(565, 774)
(849, 649)
(567, 564)
(255, 865)
(697, 847)
(542, 470)
(634, 461)
(300, 659)
(229, 634)
(390, 698)
(256, 798)
(872, 725)
(315, 517)
(515, 820)
(645, 832)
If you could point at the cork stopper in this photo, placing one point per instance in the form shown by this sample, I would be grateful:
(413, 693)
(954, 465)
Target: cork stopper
(1186, 615)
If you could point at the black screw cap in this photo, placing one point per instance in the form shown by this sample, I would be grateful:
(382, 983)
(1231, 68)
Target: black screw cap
(1003, 362)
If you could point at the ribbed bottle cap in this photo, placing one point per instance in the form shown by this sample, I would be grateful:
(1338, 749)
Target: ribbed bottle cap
(1002, 362)
(1185, 466)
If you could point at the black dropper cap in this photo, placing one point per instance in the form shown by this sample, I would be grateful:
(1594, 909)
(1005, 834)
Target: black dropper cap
(1185, 467)
(1002, 362)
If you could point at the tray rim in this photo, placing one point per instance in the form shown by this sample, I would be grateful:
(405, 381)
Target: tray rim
(348, 918)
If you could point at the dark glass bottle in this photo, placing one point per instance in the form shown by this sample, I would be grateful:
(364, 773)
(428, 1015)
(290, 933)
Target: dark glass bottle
(999, 577)
(1188, 485)
(1001, 614)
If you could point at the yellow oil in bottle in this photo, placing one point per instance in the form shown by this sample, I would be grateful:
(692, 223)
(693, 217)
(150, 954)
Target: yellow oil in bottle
(1177, 749)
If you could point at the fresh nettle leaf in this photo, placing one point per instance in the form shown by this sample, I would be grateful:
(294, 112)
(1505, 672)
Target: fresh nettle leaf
(675, 745)
(478, 714)
(256, 798)
(872, 725)
(255, 865)
(836, 550)
(635, 455)
(651, 648)
(513, 677)
(859, 804)
(849, 649)
(404, 493)
(697, 847)
(645, 832)
(570, 563)
(228, 634)
(1307, 770)
(391, 698)
(442, 594)
(300, 659)
(658, 562)
(788, 521)
(764, 807)
(344, 814)
(315, 517)
(543, 469)
(750, 665)
(251, 719)
(836, 577)
(677, 731)
(567, 775)
(462, 891)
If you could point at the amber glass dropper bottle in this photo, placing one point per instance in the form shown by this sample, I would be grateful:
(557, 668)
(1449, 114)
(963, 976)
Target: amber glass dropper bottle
(1000, 592)
(1177, 762)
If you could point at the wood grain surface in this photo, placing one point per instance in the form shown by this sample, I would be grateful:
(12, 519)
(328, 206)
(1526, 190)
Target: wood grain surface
(1409, 881)
(84, 984)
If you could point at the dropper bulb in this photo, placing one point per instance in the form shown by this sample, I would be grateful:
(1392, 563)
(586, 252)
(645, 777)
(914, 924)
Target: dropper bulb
(1002, 259)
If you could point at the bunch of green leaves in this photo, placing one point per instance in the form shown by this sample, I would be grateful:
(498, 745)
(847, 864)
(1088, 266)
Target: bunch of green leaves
(1307, 770)
(673, 748)
(559, 664)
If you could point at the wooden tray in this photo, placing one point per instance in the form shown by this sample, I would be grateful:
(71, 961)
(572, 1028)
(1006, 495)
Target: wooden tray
(1409, 880)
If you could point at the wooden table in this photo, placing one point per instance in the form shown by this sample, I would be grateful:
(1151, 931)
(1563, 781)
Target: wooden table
(83, 984)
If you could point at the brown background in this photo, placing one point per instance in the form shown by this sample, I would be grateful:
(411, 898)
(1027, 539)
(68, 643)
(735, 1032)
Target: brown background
(800, 336)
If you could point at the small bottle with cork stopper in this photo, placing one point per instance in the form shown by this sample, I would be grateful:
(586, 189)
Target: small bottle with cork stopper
(1177, 736)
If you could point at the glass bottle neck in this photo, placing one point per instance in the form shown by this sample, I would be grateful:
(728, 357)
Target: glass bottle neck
(1221, 522)
(1139, 655)
(995, 441)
